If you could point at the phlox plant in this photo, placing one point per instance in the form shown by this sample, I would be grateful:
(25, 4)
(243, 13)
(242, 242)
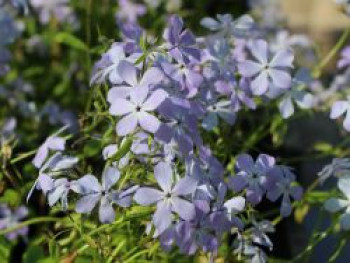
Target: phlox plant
(128, 142)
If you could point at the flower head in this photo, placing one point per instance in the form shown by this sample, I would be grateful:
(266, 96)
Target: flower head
(171, 197)
(267, 71)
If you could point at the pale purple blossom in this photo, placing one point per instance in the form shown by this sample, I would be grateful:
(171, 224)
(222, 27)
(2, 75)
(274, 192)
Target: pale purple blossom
(227, 26)
(266, 71)
(57, 164)
(345, 58)
(171, 197)
(252, 176)
(337, 168)
(59, 9)
(136, 111)
(282, 185)
(195, 234)
(129, 11)
(180, 42)
(334, 205)
(11, 218)
(59, 192)
(340, 108)
(92, 192)
(52, 143)
(297, 94)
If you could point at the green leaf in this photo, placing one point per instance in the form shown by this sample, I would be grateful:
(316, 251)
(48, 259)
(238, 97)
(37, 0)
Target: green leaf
(124, 149)
(70, 40)
(92, 148)
(33, 254)
(11, 197)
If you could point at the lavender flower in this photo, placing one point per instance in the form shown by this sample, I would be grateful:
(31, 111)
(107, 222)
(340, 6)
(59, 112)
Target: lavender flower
(181, 43)
(110, 150)
(136, 111)
(7, 129)
(334, 205)
(339, 108)
(60, 190)
(226, 26)
(297, 93)
(60, 9)
(92, 192)
(338, 168)
(53, 143)
(9, 218)
(266, 72)
(107, 66)
(195, 234)
(171, 197)
(183, 75)
(129, 11)
(345, 58)
(283, 185)
(252, 176)
(54, 166)
(206, 169)
(223, 217)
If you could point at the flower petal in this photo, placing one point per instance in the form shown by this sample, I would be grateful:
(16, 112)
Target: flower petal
(162, 217)
(127, 125)
(260, 84)
(249, 68)
(333, 205)
(237, 183)
(345, 221)
(280, 78)
(106, 212)
(139, 95)
(259, 49)
(245, 162)
(338, 108)
(283, 58)
(286, 107)
(110, 176)
(40, 156)
(85, 204)
(128, 72)
(163, 174)
(88, 184)
(183, 208)
(148, 122)
(120, 92)
(147, 196)
(56, 143)
(152, 76)
(346, 122)
(120, 107)
(235, 204)
(344, 185)
(154, 100)
(185, 186)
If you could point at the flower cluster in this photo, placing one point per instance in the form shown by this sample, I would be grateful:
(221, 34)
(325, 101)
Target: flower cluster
(162, 100)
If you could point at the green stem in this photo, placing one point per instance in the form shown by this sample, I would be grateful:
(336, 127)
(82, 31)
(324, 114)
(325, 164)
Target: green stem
(311, 246)
(29, 222)
(338, 250)
(22, 156)
(317, 72)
